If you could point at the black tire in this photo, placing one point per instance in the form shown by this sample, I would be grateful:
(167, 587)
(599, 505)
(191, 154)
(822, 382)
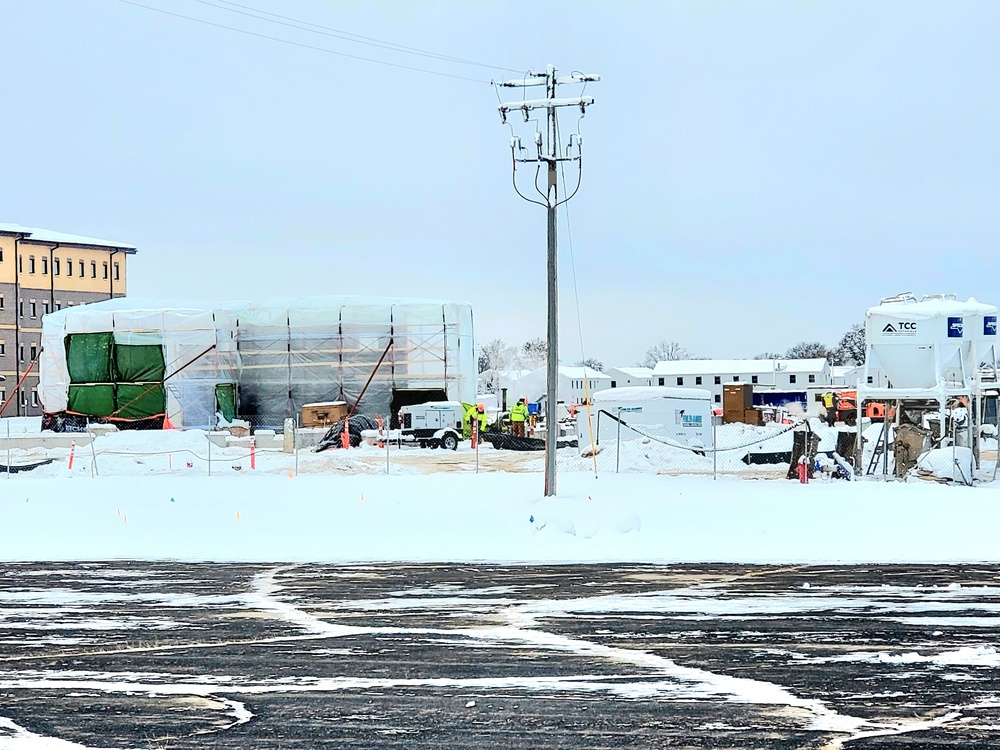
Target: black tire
(433, 443)
(449, 441)
(423, 443)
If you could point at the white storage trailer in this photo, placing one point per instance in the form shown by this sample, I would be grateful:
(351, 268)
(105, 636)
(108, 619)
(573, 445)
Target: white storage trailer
(681, 417)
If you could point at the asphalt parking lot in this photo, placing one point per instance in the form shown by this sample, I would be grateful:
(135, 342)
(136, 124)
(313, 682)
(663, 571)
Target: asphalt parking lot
(130, 655)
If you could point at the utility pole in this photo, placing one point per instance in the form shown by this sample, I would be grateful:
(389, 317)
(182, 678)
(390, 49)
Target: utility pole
(548, 154)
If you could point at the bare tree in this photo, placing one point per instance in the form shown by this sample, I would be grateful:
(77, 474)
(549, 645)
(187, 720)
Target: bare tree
(665, 351)
(593, 364)
(494, 358)
(808, 350)
(533, 353)
(852, 347)
(768, 355)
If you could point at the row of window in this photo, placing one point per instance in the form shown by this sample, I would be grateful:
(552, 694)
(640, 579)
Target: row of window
(24, 397)
(579, 384)
(792, 379)
(33, 306)
(57, 267)
(20, 355)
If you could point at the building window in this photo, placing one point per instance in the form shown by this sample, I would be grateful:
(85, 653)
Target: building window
(870, 380)
(45, 307)
(3, 348)
(661, 381)
(117, 275)
(45, 265)
(34, 397)
(24, 398)
(93, 269)
(20, 308)
(69, 266)
(1, 255)
(680, 381)
(614, 383)
(55, 266)
(20, 264)
(697, 380)
(58, 305)
(753, 378)
(812, 378)
(82, 274)
(34, 352)
(31, 264)
(3, 395)
(20, 352)
(718, 380)
(718, 398)
(791, 378)
(1, 302)
(736, 378)
(105, 269)
(33, 306)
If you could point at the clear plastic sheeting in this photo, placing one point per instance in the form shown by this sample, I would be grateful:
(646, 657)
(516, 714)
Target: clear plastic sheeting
(280, 353)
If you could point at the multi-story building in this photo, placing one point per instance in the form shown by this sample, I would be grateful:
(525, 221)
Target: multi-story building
(42, 271)
(712, 374)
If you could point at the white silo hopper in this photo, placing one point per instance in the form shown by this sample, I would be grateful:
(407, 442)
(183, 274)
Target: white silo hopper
(927, 343)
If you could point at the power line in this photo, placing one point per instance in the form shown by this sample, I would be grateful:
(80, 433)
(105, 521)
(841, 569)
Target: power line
(315, 28)
(303, 46)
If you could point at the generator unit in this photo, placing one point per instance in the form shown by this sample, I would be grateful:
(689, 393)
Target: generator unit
(436, 424)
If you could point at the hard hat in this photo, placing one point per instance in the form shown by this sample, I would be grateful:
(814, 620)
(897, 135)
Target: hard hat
(480, 408)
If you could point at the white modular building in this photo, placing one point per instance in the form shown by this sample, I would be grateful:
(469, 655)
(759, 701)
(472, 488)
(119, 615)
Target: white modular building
(576, 383)
(183, 363)
(679, 417)
(712, 374)
(622, 377)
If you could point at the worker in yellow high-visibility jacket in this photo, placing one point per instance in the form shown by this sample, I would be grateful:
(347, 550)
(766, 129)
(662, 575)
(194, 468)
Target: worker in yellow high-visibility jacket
(518, 416)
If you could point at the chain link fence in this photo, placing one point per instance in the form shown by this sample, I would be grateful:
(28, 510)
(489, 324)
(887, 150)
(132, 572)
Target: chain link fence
(618, 446)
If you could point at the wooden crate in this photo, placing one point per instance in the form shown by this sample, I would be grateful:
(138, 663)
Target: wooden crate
(323, 415)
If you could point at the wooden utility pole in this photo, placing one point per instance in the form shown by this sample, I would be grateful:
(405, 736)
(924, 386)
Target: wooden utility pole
(547, 149)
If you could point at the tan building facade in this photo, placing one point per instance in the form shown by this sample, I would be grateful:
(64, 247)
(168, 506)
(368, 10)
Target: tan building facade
(42, 271)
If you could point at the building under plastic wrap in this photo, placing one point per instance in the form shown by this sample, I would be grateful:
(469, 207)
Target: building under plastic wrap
(140, 362)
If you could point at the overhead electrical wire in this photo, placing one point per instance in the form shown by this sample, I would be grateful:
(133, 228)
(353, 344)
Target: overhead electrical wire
(316, 28)
(302, 45)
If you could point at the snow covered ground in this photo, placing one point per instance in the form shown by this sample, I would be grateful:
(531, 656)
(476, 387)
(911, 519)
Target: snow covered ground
(495, 517)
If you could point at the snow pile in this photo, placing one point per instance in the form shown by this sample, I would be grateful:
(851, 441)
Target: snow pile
(955, 463)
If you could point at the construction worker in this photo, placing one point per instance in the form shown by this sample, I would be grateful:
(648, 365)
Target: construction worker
(481, 416)
(831, 411)
(518, 416)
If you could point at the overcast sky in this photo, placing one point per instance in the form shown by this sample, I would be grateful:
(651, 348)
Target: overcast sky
(755, 173)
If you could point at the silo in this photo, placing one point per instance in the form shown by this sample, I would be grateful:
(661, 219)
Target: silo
(919, 344)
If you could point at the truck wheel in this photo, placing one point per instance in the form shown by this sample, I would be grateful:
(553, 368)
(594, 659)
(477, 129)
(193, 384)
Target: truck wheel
(450, 442)
(433, 443)
(423, 443)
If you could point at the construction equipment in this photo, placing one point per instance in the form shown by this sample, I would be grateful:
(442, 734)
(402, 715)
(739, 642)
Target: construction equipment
(847, 408)
(436, 424)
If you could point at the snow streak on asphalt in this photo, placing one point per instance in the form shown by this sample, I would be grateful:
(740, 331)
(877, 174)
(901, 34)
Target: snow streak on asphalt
(507, 621)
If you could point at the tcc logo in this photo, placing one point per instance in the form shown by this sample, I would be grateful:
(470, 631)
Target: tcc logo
(990, 325)
(954, 328)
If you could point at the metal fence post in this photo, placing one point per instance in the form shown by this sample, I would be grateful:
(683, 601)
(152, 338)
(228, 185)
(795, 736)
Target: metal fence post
(93, 456)
(715, 449)
(8, 448)
(386, 440)
(618, 441)
(295, 446)
(210, 454)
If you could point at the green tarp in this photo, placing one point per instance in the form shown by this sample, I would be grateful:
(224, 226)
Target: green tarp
(88, 357)
(140, 400)
(92, 400)
(138, 363)
(225, 400)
